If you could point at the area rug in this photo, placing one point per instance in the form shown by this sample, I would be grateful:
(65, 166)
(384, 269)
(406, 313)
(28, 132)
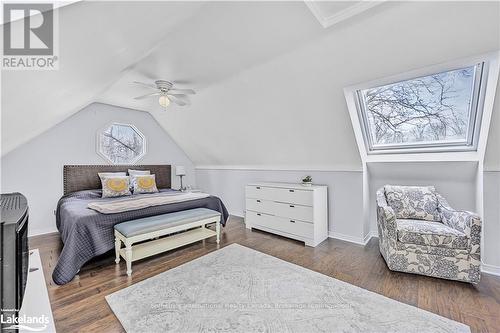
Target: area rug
(237, 289)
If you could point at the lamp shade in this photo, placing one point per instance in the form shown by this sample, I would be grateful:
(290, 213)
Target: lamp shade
(164, 101)
(180, 171)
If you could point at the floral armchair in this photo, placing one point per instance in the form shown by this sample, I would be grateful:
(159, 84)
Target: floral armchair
(420, 233)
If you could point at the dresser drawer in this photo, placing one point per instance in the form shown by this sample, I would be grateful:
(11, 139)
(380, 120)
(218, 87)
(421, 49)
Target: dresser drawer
(258, 192)
(259, 205)
(293, 211)
(256, 218)
(299, 197)
(291, 226)
(297, 227)
(288, 210)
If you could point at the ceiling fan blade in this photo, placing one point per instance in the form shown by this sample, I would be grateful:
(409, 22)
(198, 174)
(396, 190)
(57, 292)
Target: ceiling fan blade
(182, 91)
(177, 100)
(149, 85)
(147, 95)
(181, 96)
(181, 82)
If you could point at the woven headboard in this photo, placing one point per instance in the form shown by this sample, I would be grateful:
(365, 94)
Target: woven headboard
(84, 177)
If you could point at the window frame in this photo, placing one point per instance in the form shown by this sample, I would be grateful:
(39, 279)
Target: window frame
(104, 156)
(475, 115)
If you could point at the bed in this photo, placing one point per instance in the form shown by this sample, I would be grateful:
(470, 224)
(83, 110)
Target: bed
(86, 233)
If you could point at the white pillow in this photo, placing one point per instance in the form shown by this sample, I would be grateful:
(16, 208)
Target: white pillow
(133, 173)
(103, 175)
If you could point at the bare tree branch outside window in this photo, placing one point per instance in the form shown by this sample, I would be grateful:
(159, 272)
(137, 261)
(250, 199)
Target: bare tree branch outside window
(434, 108)
(121, 143)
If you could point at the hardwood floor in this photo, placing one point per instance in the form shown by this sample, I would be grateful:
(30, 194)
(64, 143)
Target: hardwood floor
(80, 304)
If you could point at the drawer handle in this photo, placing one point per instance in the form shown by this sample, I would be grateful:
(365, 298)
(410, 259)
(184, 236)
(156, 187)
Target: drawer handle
(258, 187)
(291, 190)
(292, 221)
(292, 206)
(258, 200)
(258, 214)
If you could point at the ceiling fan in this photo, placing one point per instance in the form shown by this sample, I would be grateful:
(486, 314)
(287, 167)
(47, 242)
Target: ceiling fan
(167, 92)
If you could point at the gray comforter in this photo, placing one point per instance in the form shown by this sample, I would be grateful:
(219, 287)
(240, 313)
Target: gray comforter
(87, 233)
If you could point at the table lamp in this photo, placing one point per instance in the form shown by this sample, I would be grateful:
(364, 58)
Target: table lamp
(180, 171)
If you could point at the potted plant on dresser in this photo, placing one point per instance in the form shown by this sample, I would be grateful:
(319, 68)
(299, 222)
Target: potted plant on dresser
(307, 181)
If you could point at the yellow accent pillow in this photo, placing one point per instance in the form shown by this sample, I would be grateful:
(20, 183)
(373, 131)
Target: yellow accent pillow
(116, 186)
(145, 184)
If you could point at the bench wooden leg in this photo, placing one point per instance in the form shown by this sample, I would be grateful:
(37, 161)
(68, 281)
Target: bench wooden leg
(118, 245)
(217, 229)
(128, 258)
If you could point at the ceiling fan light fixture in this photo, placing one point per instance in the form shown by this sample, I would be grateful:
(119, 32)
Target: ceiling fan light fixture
(166, 93)
(163, 101)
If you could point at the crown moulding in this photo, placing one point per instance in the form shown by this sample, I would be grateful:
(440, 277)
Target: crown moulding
(327, 19)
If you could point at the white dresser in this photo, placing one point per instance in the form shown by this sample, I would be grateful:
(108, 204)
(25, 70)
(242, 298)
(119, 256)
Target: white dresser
(290, 210)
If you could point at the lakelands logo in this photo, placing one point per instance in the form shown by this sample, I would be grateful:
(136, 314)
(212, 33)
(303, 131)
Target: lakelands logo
(29, 36)
(26, 323)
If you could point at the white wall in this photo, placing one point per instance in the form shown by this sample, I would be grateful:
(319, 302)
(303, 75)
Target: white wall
(35, 168)
(492, 155)
(345, 191)
(290, 111)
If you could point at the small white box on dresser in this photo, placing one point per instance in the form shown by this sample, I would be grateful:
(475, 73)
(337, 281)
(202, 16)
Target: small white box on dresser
(291, 210)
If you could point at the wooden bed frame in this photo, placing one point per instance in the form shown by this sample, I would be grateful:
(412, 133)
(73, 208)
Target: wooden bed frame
(84, 177)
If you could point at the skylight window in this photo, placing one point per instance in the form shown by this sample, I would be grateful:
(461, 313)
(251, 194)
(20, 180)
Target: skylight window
(437, 112)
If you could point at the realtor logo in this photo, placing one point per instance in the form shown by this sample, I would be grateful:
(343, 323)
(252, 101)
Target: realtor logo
(29, 36)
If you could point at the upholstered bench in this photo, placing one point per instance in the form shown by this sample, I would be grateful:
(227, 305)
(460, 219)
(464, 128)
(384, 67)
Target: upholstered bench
(184, 227)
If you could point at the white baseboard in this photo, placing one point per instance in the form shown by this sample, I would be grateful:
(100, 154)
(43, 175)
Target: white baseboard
(490, 269)
(242, 215)
(485, 268)
(347, 238)
(353, 239)
(38, 232)
(370, 235)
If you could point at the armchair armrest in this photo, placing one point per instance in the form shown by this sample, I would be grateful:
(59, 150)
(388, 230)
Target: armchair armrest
(460, 220)
(464, 221)
(386, 217)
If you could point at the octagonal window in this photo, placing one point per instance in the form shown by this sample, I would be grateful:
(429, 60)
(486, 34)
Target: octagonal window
(121, 144)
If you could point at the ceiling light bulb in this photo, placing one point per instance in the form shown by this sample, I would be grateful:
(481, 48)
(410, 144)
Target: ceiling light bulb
(164, 101)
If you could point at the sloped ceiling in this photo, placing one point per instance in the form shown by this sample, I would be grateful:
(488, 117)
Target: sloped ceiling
(97, 41)
(269, 77)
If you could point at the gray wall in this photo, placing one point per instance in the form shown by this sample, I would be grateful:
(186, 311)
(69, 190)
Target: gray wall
(456, 181)
(345, 193)
(35, 168)
(491, 227)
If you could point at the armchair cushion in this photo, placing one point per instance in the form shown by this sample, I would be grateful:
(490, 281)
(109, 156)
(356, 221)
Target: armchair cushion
(413, 202)
(430, 233)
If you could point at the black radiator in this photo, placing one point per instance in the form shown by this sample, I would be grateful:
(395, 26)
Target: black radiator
(14, 252)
